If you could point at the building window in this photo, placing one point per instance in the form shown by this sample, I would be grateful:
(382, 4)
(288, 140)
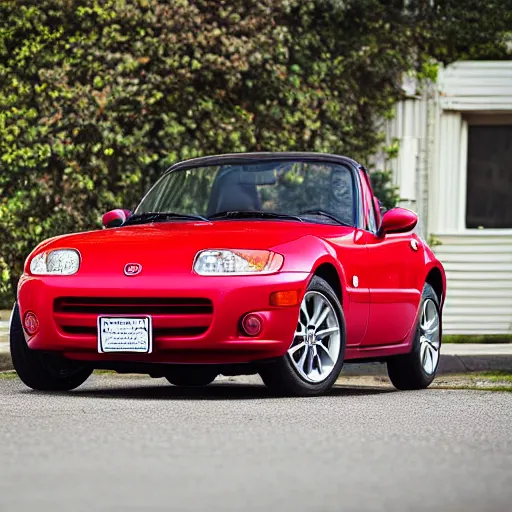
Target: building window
(489, 178)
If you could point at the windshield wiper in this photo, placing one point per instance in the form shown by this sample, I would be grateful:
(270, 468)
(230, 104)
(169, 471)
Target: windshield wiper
(253, 214)
(322, 213)
(141, 218)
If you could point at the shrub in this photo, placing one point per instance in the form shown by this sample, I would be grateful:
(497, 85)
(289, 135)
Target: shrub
(98, 97)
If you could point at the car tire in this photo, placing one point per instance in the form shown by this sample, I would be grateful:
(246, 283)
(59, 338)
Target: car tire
(42, 371)
(287, 376)
(191, 376)
(417, 369)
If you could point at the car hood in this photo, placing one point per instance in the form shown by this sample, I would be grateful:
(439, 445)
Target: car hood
(173, 245)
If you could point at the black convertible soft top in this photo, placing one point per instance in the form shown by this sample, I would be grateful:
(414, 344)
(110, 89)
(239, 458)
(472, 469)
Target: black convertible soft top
(240, 158)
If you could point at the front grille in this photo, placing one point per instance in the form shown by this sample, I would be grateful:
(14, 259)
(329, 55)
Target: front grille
(171, 317)
(129, 306)
(157, 333)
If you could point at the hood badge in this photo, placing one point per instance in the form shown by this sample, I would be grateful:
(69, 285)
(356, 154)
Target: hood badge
(132, 269)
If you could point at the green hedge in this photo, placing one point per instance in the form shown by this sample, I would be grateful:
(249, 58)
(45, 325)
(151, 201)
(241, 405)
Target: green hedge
(98, 97)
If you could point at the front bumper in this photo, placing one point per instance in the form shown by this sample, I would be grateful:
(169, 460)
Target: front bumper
(195, 319)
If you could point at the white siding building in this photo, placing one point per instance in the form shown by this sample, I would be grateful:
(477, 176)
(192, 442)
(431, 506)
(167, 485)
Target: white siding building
(455, 170)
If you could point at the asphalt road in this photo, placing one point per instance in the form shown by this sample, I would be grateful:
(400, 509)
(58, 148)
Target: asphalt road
(132, 443)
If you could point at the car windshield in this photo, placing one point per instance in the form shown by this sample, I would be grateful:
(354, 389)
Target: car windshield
(319, 191)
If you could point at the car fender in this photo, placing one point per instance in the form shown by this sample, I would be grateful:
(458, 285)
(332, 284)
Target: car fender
(307, 254)
(437, 265)
(40, 248)
(431, 262)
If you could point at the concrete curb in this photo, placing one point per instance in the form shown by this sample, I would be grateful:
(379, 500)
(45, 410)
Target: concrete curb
(5, 361)
(449, 364)
(476, 363)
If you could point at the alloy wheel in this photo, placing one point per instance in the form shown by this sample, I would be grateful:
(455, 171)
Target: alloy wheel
(317, 342)
(429, 337)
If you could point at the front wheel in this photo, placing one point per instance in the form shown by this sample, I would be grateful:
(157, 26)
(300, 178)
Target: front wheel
(315, 358)
(42, 371)
(417, 369)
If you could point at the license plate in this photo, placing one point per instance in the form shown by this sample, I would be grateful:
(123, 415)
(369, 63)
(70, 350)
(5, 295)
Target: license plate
(125, 334)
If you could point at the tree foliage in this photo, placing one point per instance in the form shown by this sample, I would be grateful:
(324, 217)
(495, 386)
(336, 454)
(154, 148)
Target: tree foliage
(450, 30)
(97, 97)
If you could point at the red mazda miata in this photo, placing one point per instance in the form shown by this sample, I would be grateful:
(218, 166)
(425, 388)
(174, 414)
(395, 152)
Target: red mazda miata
(273, 263)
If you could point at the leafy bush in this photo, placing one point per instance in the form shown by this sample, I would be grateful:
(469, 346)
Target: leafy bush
(98, 97)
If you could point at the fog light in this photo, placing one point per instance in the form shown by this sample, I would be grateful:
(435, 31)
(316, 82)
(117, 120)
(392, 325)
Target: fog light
(288, 298)
(31, 323)
(251, 324)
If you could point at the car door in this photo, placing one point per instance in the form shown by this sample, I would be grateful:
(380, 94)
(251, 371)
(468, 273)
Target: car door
(352, 255)
(395, 261)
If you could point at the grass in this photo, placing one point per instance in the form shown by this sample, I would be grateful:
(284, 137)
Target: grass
(483, 381)
(502, 389)
(506, 389)
(483, 338)
(498, 376)
(8, 375)
(11, 374)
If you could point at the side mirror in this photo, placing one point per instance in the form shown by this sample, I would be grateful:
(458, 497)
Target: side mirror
(115, 218)
(398, 220)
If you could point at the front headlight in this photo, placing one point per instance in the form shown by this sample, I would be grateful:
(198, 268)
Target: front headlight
(63, 262)
(236, 262)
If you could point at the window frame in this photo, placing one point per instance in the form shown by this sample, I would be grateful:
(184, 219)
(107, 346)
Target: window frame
(365, 187)
(248, 158)
(477, 119)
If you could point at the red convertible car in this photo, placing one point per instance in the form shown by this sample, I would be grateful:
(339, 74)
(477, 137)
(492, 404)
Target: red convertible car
(273, 263)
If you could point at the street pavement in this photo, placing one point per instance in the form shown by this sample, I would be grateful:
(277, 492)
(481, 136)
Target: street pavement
(133, 443)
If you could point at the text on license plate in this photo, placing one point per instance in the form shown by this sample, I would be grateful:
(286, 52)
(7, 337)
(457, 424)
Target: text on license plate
(125, 334)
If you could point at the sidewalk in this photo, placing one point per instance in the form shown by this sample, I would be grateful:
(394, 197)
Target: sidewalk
(455, 357)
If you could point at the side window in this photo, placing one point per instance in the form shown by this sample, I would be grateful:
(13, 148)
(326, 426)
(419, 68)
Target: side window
(370, 223)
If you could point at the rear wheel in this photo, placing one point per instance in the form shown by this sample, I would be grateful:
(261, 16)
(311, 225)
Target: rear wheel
(40, 370)
(315, 358)
(417, 369)
(191, 376)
